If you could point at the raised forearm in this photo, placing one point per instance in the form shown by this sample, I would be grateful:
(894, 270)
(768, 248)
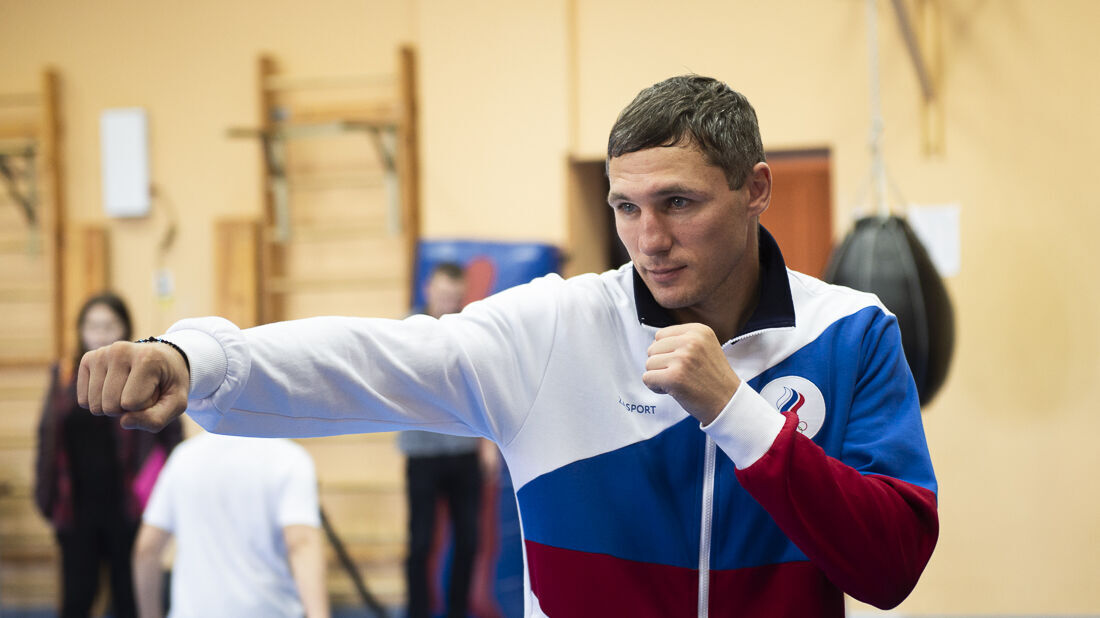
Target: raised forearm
(872, 535)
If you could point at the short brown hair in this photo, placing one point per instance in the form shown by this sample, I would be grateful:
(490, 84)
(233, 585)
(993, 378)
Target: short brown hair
(692, 109)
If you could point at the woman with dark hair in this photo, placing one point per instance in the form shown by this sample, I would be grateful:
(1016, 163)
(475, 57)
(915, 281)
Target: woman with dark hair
(93, 477)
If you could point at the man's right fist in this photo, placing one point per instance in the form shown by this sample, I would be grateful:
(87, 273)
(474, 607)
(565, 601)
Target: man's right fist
(145, 384)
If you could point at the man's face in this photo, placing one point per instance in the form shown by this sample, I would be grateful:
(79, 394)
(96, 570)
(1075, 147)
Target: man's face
(444, 294)
(686, 231)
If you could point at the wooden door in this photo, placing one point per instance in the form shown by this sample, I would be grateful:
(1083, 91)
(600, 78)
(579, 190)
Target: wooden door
(800, 215)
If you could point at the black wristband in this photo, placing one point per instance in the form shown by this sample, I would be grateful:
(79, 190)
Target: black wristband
(169, 343)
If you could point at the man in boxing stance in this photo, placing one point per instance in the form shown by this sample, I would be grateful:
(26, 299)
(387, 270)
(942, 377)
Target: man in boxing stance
(781, 460)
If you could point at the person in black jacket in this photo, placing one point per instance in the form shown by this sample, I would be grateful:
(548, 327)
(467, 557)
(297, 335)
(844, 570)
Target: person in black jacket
(93, 477)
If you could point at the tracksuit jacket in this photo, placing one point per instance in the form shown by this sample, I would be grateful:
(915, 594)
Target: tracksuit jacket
(813, 481)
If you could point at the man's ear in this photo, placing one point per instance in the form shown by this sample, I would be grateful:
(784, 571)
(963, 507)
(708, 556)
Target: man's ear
(759, 183)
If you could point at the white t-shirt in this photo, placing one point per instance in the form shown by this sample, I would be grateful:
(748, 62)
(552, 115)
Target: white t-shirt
(226, 500)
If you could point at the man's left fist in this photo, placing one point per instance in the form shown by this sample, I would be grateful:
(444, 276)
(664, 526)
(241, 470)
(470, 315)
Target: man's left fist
(687, 362)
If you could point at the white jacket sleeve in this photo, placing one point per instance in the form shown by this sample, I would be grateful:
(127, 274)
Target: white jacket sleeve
(474, 373)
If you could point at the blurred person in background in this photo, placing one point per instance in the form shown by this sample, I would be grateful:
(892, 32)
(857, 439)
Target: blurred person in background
(93, 478)
(246, 520)
(443, 467)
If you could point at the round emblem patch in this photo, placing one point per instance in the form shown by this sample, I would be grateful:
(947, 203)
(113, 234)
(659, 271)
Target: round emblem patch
(798, 395)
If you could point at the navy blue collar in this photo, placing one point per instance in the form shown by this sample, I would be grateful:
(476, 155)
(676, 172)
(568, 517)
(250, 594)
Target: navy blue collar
(774, 306)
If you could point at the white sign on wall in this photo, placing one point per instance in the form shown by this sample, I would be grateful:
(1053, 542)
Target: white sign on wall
(124, 150)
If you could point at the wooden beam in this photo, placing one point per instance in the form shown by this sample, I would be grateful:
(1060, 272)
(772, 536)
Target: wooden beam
(272, 254)
(52, 208)
(408, 159)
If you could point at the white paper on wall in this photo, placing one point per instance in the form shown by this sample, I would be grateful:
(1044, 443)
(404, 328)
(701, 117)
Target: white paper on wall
(937, 227)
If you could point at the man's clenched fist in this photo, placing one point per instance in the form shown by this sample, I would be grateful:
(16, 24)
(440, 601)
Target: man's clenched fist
(686, 361)
(145, 384)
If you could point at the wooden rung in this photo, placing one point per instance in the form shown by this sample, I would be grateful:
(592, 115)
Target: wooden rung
(17, 146)
(317, 182)
(17, 441)
(25, 295)
(19, 130)
(380, 112)
(324, 232)
(290, 285)
(349, 488)
(276, 83)
(22, 393)
(19, 245)
(322, 128)
(20, 99)
(39, 550)
(23, 362)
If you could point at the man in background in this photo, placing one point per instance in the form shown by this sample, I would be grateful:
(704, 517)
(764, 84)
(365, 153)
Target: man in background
(246, 520)
(447, 467)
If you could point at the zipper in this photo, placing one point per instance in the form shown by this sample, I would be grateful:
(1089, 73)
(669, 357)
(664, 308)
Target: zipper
(709, 450)
(754, 333)
(705, 527)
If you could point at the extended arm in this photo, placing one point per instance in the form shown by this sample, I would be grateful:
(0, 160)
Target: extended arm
(307, 564)
(475, 373)
(148, 574)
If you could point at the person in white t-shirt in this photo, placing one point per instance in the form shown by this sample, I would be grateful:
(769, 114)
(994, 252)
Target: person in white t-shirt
(247, 544)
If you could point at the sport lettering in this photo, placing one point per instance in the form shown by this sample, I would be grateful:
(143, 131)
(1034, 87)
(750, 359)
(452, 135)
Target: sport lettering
(638, 408)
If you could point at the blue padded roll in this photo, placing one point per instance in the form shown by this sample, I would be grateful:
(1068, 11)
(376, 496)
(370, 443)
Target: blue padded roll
(491, 266)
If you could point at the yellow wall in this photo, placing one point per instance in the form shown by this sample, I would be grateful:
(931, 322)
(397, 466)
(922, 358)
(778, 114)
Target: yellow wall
(192, 66)
(510, 89)
(494, 119)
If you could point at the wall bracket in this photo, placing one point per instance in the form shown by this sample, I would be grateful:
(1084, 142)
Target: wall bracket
(16, 175)
(383, 135)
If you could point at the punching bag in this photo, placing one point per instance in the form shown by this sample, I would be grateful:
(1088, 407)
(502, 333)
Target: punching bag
(883, 255)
